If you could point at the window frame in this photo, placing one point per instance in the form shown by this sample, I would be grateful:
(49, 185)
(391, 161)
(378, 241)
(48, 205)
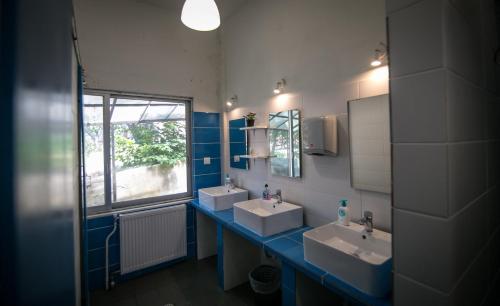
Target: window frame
(108, 203)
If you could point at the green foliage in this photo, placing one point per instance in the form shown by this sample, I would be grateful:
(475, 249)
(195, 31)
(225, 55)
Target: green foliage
(147, 144)
(250, 116)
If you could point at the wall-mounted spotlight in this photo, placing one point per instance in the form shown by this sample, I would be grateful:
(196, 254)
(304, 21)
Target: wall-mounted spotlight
(232, 101)
(280, 86)
(379, 56)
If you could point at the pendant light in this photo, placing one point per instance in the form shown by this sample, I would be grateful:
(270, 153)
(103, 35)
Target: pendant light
(200, 15)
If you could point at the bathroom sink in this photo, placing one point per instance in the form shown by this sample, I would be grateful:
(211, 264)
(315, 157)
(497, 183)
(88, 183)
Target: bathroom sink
(221, 197)
(351, 254)
(266, 217)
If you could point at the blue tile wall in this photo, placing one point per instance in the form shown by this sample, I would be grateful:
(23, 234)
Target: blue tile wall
(237, 123)
(237, 149)
(220, 255)
(191, 231)
(206, 135)
(236, 136)
(211, 150)
(206, 143)
(97, 231)
(99, 228)
(208, 180)
(200, 168)
(237, 143)
(201, 119)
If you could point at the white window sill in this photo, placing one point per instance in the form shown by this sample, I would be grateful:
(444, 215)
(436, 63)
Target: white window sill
(139, 208)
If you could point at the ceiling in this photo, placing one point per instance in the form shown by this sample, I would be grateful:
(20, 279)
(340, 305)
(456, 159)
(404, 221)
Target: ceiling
(226, 7)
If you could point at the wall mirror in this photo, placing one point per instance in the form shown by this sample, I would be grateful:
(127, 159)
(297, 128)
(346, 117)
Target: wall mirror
(284, 143)
(237, 144)
(369, 142)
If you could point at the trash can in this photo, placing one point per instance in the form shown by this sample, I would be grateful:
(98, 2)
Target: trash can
(265, 281)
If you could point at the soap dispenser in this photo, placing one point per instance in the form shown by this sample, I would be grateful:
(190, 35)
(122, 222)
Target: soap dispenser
(228, 183)
(266, 193)
(343, 212)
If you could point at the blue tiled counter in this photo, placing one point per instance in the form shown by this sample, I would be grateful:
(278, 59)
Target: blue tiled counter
(288, 247)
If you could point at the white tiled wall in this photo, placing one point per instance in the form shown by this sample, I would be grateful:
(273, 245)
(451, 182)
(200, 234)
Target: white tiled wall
(445, 108)
(323, 49)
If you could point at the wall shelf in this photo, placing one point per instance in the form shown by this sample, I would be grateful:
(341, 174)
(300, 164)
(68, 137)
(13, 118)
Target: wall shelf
(256, 157)
(255, 128)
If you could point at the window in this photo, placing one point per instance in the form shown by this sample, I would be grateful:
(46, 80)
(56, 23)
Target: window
(137, 149)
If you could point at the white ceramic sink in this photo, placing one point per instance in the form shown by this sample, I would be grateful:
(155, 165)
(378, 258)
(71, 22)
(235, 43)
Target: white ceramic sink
(266, 217)
(221, 198)
(361, 259)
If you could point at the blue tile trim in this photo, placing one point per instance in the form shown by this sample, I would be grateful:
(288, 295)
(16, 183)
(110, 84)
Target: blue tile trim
(220, 255)
(191, 237)
(288, 297)
(288, 277)
(289, 249)
(191, 250)
(201, 119)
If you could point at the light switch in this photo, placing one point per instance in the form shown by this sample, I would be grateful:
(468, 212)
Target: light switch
(236, 158)
(206, 160)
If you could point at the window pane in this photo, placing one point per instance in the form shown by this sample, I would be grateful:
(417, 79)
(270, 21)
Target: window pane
(126, 114)
(163, 112)
(148, 155)
(94, 149)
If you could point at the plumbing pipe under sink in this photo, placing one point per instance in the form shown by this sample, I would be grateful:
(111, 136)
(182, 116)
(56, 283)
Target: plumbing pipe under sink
(115, 222)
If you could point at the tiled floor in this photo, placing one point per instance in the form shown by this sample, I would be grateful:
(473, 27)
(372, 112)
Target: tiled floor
(189, 283)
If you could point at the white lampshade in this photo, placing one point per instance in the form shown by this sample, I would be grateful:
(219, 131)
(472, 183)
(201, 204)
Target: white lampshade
(201, 15)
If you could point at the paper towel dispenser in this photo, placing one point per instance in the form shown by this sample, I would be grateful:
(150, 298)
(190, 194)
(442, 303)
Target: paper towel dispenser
(320, 136)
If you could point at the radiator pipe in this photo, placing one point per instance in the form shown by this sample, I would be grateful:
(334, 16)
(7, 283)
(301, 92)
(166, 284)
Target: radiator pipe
(115, 223)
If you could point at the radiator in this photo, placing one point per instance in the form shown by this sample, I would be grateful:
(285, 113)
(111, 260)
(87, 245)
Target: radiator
(151, 237)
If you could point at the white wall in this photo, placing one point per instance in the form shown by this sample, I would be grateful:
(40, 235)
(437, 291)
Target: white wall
(141, 47)
(445, 105)
(322, 48)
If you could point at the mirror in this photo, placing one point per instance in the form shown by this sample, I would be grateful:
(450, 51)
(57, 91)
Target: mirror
(369, 141)
(284, 143)
(237, 144)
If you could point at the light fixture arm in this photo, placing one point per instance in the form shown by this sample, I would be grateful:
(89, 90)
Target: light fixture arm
(381, 53)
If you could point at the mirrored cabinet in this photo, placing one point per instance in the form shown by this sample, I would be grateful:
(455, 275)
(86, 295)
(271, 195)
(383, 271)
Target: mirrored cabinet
(285, 143)
(369, 143)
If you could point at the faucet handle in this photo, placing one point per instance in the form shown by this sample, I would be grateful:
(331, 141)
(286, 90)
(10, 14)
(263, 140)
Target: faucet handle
(368, 214)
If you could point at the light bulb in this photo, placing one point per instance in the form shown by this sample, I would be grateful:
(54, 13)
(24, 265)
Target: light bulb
(200, 15)
(376, 63)
(277, 91)
(229, 103)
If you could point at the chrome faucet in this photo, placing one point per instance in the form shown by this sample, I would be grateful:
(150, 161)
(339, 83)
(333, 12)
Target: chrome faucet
(367, 221)
(277, 196)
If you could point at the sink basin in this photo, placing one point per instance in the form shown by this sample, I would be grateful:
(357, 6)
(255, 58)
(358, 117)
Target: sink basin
(221, 198)
(266, 217)
(361, 259)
